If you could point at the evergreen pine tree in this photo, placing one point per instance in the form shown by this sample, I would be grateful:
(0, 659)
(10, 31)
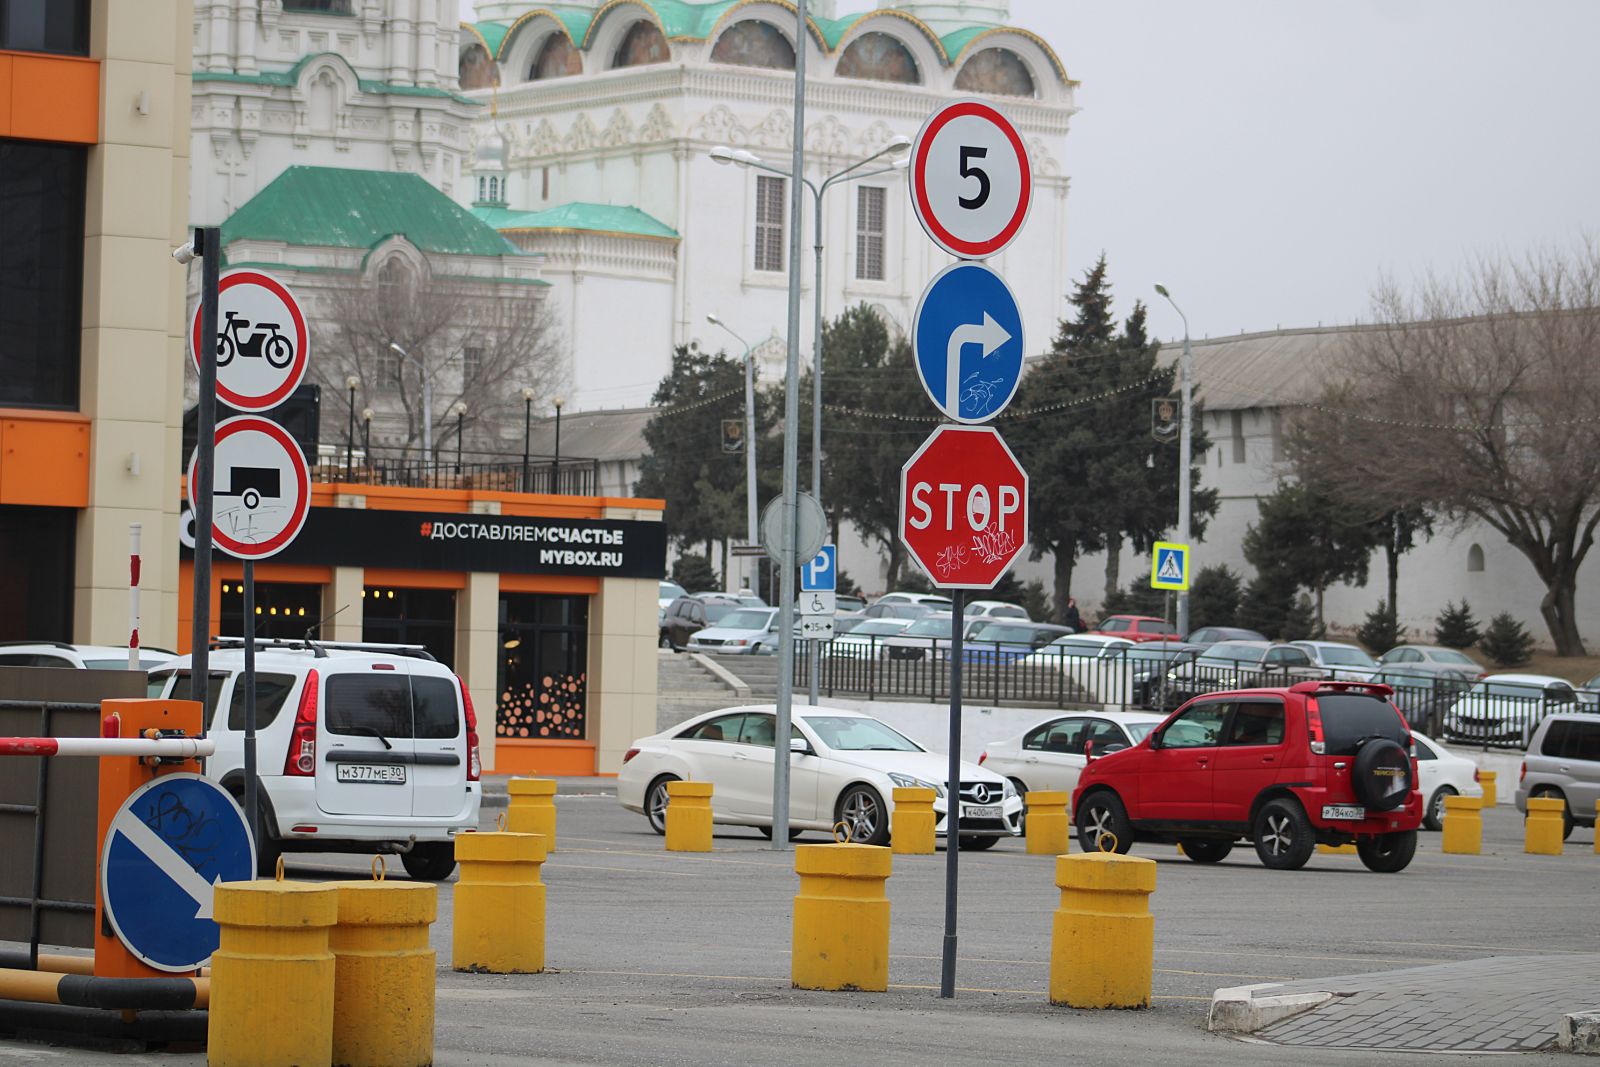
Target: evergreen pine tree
(1214, 598)
(1381, 630)
(1300, 623)
(1506, 641)
(1455, 627)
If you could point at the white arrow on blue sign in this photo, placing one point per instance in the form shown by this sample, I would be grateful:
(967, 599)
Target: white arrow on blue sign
(168, 846)
(968, 341)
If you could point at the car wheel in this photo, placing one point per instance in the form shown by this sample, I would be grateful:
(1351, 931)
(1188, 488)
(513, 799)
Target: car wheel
(1387, 853)
(974, 843)
(655, 803)
(268, 851)
(860, 808)
(1283, 836)
(1202, 850)
(1102, 816)
(1548, 793)
(664, 641)
(1434, 817)
(430, 861)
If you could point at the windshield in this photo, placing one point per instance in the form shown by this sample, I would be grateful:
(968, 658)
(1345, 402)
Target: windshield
(1340, 656)
(1157, 653)
(715, 612)
(850, 734)
(1512, 690)
(878, 627)
(744, 620)
(671, 591)
(1450, 655)
(1233, 654)
(935, 627)
(1139, 730)
(1147, 626)
(1066, 646)
(1001, 631)
(1350, 718)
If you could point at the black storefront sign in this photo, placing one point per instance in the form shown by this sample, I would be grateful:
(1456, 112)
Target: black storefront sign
(596, 548)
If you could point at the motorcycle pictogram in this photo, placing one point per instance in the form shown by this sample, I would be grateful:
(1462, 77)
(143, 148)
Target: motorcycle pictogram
(265, 342)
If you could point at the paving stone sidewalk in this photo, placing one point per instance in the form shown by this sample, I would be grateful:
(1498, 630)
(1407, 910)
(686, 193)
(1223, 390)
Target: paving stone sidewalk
(1499, 1004)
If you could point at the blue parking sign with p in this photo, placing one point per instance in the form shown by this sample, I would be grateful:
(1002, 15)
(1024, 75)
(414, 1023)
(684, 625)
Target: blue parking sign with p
(1169, 566)
(821, 575)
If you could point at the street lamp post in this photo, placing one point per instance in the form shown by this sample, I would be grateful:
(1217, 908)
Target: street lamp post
(460, 410)
(555, 466)
(751, 536)
(527, 428)
(1185, 448)
(366, 434)
(427, 400)
(350, 383)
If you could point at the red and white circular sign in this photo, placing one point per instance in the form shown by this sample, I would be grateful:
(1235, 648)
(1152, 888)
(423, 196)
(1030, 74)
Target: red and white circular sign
(261, 488)
(971, 184)
(964, 507)
(262, 346)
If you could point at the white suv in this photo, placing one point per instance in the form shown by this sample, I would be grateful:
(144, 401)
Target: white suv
(359, 748)
(77, 657)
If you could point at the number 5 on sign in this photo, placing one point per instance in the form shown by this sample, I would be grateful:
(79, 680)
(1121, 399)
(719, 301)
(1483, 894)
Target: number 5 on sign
(971, 184)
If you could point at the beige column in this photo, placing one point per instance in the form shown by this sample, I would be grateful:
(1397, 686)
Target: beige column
(622, 660)
(344, 592)
(478, 651)
(135, 213)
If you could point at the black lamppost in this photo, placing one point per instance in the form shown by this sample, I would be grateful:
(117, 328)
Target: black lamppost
(366, 435)
(461, 422)
(555, 467)
(527, 427)
(350, 383)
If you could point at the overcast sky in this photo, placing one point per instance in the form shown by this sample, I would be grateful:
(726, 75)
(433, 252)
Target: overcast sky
(1268, 159)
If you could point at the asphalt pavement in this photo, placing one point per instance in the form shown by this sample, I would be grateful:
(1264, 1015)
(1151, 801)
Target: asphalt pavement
(668, 958)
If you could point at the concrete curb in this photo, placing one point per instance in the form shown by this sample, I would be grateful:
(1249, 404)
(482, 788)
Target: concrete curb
(1579, 1032)
(725, 676)
(1238, 1009)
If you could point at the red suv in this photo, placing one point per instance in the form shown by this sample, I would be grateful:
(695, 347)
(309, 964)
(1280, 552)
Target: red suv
(1138, 628)
(1288, 769)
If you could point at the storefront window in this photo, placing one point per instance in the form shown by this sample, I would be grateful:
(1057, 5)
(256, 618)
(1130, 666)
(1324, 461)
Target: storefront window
(36, 581)
(45, 26)
(543, 675)
(284, 610)
(41, 272)
(425, 617)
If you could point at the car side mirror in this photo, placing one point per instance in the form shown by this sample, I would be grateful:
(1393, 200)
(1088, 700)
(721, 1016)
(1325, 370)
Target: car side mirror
(1113, 747)
(799, 746)
(1155, 740)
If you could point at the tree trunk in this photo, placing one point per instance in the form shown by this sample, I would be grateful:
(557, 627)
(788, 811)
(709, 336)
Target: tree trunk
(727, 579)
(1321, 628)
(1113, 564)
(1391, 558)
(1559, 609)
(1065, 559)
(896, 558)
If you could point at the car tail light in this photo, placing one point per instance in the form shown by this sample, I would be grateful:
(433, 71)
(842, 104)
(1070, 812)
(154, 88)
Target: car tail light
(1475, 778)
(302, 758)
(628, 755)
(982, 756)
(474, 757)
(1314, 727)
(1522, 772)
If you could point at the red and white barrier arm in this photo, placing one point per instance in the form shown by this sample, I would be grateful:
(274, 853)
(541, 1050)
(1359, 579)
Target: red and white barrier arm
(182, 747)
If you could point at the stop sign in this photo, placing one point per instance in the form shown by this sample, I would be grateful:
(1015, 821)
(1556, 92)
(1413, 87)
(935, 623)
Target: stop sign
(964, 507)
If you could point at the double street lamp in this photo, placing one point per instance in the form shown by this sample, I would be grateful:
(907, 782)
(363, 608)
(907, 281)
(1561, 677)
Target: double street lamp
(749, 440)
(1185, 447)
(744, 158)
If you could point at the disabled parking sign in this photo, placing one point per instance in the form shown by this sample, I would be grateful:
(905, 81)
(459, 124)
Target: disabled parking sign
(1169, 566)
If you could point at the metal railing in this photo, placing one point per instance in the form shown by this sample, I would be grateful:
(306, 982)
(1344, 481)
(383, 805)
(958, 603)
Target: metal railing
(1486, 713)
(495, 471)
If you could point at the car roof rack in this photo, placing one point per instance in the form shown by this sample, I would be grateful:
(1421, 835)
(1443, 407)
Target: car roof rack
(48, 644)
(320, 648)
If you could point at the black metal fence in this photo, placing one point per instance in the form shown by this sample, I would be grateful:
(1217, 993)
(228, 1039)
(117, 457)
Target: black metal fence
(475, 470)
(1454, 708)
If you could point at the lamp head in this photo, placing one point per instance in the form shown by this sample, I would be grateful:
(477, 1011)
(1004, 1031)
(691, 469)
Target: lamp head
(558, 402)
(460, 408)
(351, 382)
(898, 145)
(722, 154)
(713, 320)
(527, 395)
(393, 347)
(366, 414)
(1163, 291)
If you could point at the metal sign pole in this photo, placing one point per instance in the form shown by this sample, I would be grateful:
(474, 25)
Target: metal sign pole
(208, 242)
(250, 799)
(952, 821)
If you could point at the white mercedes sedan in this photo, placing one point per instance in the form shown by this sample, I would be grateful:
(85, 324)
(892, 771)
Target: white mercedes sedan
(844, 767)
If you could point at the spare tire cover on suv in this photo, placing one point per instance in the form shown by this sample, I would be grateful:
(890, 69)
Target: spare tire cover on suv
(1381, 777)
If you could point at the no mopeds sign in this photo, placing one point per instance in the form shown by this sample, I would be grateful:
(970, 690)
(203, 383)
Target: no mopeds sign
(262, 347)
(261, 487)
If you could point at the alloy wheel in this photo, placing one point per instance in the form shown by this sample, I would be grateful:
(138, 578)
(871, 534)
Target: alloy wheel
(860, 815)
(1280, 834)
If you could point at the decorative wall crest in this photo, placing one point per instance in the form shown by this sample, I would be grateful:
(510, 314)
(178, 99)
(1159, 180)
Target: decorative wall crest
(775, 131)
(829, 136)
(582, 136)
(719, 126)
(657, 126)
(619, 131)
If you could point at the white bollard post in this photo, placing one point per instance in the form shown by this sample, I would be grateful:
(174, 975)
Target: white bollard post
(133, 595)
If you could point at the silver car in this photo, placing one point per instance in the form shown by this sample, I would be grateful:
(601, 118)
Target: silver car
(1563, 762)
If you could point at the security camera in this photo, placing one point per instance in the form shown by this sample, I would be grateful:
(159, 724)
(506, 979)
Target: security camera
(184, 253)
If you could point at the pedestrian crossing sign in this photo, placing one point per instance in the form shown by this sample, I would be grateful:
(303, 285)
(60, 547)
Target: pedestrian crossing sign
(1169, 566)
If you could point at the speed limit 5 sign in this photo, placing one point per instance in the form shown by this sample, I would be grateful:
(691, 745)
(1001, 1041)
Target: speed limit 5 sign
(971, 185)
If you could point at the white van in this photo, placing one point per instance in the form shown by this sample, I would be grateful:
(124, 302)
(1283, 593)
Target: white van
(359, 748)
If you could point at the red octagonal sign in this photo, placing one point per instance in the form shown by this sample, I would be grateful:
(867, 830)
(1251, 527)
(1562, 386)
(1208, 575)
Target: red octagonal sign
(964, 507)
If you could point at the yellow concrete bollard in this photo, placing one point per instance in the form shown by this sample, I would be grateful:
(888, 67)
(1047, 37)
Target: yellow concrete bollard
(383, 974)
(1048, 833)
(533, 809)
(1102, 952)
(272, 975)
(498, 915)
(841, 918)
(1463, 826)
(1490, 796)
(1544, 829)
(911, 827)
(688, 816)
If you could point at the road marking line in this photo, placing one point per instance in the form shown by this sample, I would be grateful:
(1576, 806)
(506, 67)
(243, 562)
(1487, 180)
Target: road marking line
(624, 870)
(699, 858)
(892, 985)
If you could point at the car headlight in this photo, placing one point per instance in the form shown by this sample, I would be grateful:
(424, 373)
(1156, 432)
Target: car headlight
(906, 781)
(740, 641)
(1010, 790)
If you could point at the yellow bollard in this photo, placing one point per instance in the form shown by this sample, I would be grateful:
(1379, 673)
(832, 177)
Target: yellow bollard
(533, 809)
(499, 904)
(272, 975)
(911, 826)
(1102, 952)
(1490, 796)
(1048, 833)
(1544, 829)
(841, 918)
(1463, 826)
(383, 974)
(688, 816)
